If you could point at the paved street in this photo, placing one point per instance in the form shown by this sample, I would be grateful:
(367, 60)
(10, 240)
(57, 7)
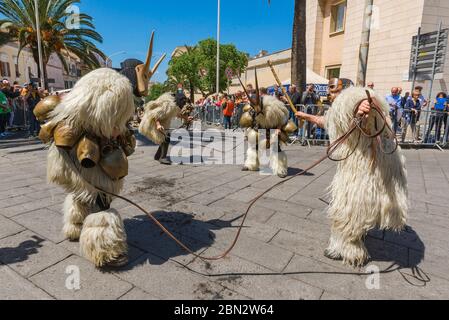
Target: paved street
(280, 253)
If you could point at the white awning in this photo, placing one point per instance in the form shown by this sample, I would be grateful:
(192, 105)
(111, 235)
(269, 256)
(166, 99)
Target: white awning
(312, 77)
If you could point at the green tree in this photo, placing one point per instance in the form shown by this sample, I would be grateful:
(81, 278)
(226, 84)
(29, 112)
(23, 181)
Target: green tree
(62, 30)
(196, 68)
(155, 91)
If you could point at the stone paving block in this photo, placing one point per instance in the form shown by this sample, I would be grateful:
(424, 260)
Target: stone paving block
(311, 201)
(284, 206)
(9, 228)
(168, 280)
(149, 238)
(43, 222)
(299, 243)
(381, 250)
(15, 192)
(245, 195)
(15, 287)
(27, 253)
(13, 201)
(299, 225)
(258, 252)
(237, 208)
(93, 283)
(348, 284)
(252, 229)
(430, 264)
(201, 212)
(252, 280)
(32, 205)
(74, 247)
(138, 294)
(331, 297)
(212, 195)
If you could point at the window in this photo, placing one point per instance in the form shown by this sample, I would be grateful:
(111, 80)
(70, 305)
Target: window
(333, 72)
(4, 65)
(338, 17)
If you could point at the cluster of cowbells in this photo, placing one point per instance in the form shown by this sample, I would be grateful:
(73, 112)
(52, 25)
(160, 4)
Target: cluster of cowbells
(91, 151)
(249, 118)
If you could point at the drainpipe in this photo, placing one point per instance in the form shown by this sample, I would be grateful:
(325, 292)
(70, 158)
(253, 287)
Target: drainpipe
(364, 44)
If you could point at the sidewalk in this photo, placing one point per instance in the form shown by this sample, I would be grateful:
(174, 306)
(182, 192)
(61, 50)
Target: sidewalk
(280, 253)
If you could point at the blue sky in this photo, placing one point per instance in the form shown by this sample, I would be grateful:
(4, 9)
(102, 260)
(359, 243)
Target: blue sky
(252, 25)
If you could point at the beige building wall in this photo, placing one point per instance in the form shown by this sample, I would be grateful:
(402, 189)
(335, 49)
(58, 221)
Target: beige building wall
(433, 12)
(9, 52)
(391, 41)
(58, 77)
(331, 44)
(390, 44)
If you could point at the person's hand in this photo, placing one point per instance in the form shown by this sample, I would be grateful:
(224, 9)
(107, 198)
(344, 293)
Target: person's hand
(364, 109)
(299, 115)
(160, 128)
(190, 118)
(278, 132)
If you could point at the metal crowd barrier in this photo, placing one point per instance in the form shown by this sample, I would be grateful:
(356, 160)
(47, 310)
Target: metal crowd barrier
(428, 128)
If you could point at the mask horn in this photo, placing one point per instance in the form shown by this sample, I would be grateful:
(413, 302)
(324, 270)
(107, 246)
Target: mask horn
(156, 66)
(257, 91)
(246, 91)
(149, 55)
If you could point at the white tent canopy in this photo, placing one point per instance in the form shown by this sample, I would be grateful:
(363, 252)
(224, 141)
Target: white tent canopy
(312, 77)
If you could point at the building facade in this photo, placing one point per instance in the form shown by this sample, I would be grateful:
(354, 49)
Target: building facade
(334, 37)
(25, 69)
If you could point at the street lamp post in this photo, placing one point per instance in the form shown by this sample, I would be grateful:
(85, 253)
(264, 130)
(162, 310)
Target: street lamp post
(218, 50)
(113, 55)
(39, 44)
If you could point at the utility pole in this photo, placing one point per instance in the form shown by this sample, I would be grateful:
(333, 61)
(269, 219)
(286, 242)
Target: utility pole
(364, 45)
(218, 51)
(39, 44)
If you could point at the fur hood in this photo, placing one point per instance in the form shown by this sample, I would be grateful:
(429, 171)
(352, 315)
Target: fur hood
(101, 100)
(340, 115)
(163, 110)
(275, 113)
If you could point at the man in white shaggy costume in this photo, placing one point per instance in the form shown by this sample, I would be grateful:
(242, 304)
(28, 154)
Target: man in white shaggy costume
(266, 112)
(89, 145)
(156, 120)
(274, 115)
(369, 189)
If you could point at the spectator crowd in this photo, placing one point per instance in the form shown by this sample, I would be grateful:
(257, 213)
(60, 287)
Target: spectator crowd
(408, 111)
(17, 103)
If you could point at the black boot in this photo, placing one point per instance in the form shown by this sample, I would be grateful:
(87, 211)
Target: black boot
(157, 156)
(164, 150)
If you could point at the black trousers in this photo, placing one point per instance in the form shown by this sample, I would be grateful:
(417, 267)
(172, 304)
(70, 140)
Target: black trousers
(437, 121)
(3, 121)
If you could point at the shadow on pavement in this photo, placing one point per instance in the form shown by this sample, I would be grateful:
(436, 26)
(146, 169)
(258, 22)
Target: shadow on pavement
(404, 249)
(22, 252)
(151, 239)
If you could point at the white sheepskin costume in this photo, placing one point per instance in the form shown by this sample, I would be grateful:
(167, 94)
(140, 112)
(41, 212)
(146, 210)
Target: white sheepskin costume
(164, 109)
(275, 115)
(369, 189)
(100, 101)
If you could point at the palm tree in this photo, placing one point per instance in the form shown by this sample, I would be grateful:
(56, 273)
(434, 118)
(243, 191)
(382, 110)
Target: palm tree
(58, 35)
(299, 49)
